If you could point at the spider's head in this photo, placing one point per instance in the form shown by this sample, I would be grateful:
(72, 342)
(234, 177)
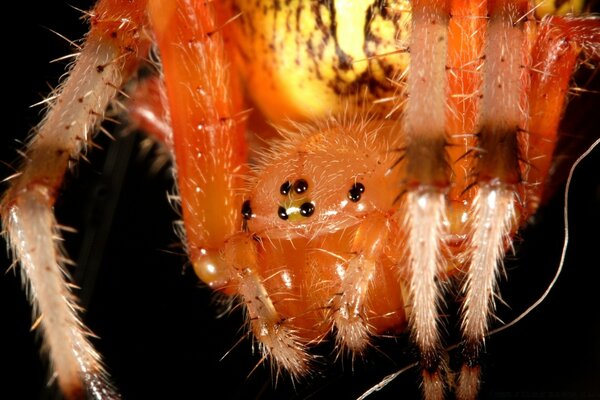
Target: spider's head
(322, 182)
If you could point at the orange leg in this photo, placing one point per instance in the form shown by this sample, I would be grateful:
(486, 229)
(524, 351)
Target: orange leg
(466, 31)
(559, 43)
(208, 133)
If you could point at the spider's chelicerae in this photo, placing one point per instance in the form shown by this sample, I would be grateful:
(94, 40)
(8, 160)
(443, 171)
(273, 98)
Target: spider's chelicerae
(408, 181)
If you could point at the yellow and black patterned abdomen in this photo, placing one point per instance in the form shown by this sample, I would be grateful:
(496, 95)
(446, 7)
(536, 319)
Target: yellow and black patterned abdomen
(300, 57)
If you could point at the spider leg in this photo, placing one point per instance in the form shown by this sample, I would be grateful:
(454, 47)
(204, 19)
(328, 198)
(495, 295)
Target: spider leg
(350, 317)
(424, 125)
(106, 60)
(277, 341)
(493, 211)
(555, 55)
(209, 142)
(515, 152)
(465, 60)
(147, 110)
(210, 152)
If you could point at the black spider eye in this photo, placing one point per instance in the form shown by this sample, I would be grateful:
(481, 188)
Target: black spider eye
(307, 209)
(281, 211)
(356, 192)
(285, 188)
(300, 186)
(246, 210)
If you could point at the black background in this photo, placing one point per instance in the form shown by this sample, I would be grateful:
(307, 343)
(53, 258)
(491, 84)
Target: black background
(159, 330)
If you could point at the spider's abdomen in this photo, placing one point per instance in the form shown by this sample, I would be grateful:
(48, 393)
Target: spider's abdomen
(298, 58)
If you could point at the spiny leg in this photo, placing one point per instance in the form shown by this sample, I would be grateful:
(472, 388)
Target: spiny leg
(427, 178)
(276, 339)
(493, 213)
(106, 60)
(208, 131)
(350, 316)
(210, 155)
(465, 60)
(505, 182)
(555, 55)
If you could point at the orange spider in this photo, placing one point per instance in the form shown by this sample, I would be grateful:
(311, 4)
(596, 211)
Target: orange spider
(369, 253)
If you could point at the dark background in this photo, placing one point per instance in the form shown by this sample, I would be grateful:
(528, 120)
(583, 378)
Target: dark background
(159, 328)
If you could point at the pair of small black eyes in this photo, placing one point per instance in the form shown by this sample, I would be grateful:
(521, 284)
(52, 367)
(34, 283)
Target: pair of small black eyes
(356, 191)
(300, 186)
(306, 210)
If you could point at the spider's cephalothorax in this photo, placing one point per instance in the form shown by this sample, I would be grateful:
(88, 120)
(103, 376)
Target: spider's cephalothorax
(414, 140)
